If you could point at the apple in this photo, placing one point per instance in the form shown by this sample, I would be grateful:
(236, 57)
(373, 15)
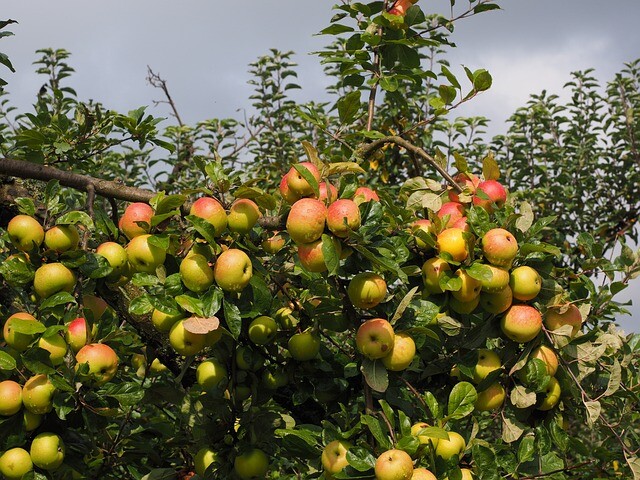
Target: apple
(334, 457)
(56, 346)
(164, 321)
(488, 361)
(14, 463)
(248, 359)
(96, 305)
(491, 398)
(143, 255)
(304, 346)
(134, 213)
(312, 257)
(468, 181)
(212, 211)
(25, 232)
(454, 211)
(366, 290)
(52, 278)
(327, 193)
(195, 273)
(402, 353)
(273, 244)
(521, 323)
(422, 225)
(416, 428)
(78, 334)
(287, 194)
(157, 367)
(462, 224)
(470, 288)
(298, 184)
(525, 283)
(252, 463)
(17, 340)
(467, 474)
(567, 314)
(47, 451)
(432, 271)
(31, 421)
(464, 308)
(183, 341)
(284, 317)
(497, 302)
(548, 356)
(499, 247)
(116, 256)
(62, 238)
(306, 220)
(343, 217)
(233, 270)
(552, 394)
(423, 474)
(210, 374)
(497, 281)
(262, 330)
(494, 191)
(454, 446)
(243, 215)
(10, 398)
(375, 338)
(102, 360)
(394, 465)
(274, 378)
(205, 457)
(37, 394)
(365, 194)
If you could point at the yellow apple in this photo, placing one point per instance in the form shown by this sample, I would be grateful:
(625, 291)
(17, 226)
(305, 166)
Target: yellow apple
(402, 353)
(491, 398)
(334, 457)
(366, 290)
(375, 338)
(394, 465)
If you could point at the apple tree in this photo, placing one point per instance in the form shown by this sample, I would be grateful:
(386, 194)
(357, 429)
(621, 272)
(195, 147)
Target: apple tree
(357, 288)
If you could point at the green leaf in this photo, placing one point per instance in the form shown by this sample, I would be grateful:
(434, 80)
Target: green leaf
(27, 327)
(485, 7)
(232, 317)
(390, 84)
(378, 429)
(526, 449)
(525, 220)
(204, 228)
(462, 400)
(375, 374)
(7, 362)
(404, 303)
(75, 217)
(482, 80)
(26, 206)
(330, 246)
(522, 397)
(593, 411)
(343, 167)
(490, 169)
(480, 272)
(336, 29)
(433, 405)
(349, 107)
(191, 304)
(127, 394)
(361, 459)
(308, 176)
(447, 93)
(168, 203)
(60, 298)
(141, 305)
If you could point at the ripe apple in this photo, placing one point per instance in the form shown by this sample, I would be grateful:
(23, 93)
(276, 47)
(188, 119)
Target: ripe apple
(306, 220)
(327, 193)
(467, 474)
(497, 302)
(37, 394)
(262, 330)
(195, 273)
(462, 224)
(454, 211)
(212, 211)
(499, 247)
(210, 374)
(78, 334)
(304, 346)
(243, 215)
(183, 341)
(394, 465)
(14, 463)
(285, 318)
(273, 244)
(464, 308)
(10, 398)
(498, 280)
(488, 361)
(432, 271)
(334, 457)
(567, 314)
(233, 270)
(144, 256)
(298, 184)
(423, 474)
(62, 238)
(116, 256)
(134, 213)
(312, 257)
(252, 463)
(96, 305)
(25, 232)
(47, 451)
(416, 428)
(287, 194)
(422, 225)
(56, 346)
(521, 323)
(470, 288)
(343, 217)
(102, 360)
(494, 191)
(525, 283)
(375, 338)
(365, 194)
(548, 356)
(16, 340)
(205, 457)
(52, 278)
(366, 290)
(491, 398)
(552, 394)
(164, 321)
(31, 421)
(402, 353)
(468, 181)
(454, 446)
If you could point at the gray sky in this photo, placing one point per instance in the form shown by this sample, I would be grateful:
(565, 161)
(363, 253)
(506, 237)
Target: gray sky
(203, 48)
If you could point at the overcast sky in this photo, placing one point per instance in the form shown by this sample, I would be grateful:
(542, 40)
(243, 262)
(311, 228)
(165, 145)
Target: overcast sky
(203, 48)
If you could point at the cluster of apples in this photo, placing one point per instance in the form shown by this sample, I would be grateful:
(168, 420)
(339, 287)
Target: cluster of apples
(46, 452)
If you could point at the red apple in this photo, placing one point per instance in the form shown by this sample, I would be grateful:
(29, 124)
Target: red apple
(134, 213)
(375, 338)
(273, 244)
(233, 270)
(10, 398)
(102, 360)
(327, 193)
(298, 184)
(499, 247)
(521, 323)
(494, 191)
(402, 353)
(306, 220)
(212, 211)
(312, 257)
(394, 465)
(468, 181)
(567, 314)
(454, 211)
(287, 194)
(365, 194)
(343, 216)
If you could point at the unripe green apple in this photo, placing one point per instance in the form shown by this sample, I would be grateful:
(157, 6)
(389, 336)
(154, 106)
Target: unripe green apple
(183, 341)
(416, 428)
(210, 374)
(143, 255)
(262, 330)
(31, 420)
(134, 213)
(195, 273)
(15, 339)
(233, 270)
(247, 359)
(102, 360)
(116, 256)
(56, 346)
(37, 394)
(285, 318)
(47, 451)
(304, 346)
(14, 463)
(343, 217)
(374, 338)
(452, 241)
(52, 278)
(298, 184)
(243, 215)
(252, 463)
(210, 210)
(424, 226)
(525, 283)
(164, 321)
(552, 394)
(496, 302)
(62, 238)
(432, 271)
(454, 446)
(521, 323)
(78, 334)
(402, 353)
(470, 288)
(488, 361)
(568, 314)
(334, 457)
(205, 457)
(274, 378)
(25, 232)
(499, 247)
(548, 356)
(366, 290)
(491, 398)
(306, 220)
(394, 465)
(10, 398)
(497, 281)
(365, 194)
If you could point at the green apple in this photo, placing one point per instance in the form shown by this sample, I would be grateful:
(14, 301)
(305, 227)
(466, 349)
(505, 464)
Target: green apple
(274, 378)
(491, 398)
(499, 247)
(37, 394)
(521, 323)
(210, 374)
(497, 281)
(416, 428)
(212, 211)
(453, 447)
(567, 314)
(496, 302)
(62, 238)
(14, 463)
(56, 346)
(78, 334)
(52, 278)
(432, 271)
(552, 394)
(195, 273)
(243, 215)
(185, 342)
(452, 241)
(343, 217)
(470, 288)
(464, 308)
(304, 346)
(262, 330)
(205, 457)
(248, 359)
(394, 465)
(402, 353)
(252, 463)
(488, 361)
(233, 270)
(525, 283)
(25, 232)
(366, 290)
(136, 220)
(47, 451)
(143, 255)
(306, 220)
(375, 338)
(334, 457)
(298, 184)
(423, 474)
(548, 356)
(102, 360)
(116, 256)
(425, 227)
(284, 317)
(164, 321)
(31, 420)
(10, 398)
(15, 339)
